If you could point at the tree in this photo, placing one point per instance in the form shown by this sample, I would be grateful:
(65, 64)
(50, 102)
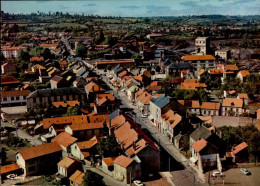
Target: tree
(81, 51)
(46, 53)
(184, 143)
(72, 111)
(36, 51)
(157, 68)
(254, 145)
(92, 179)
(101, 36)
(3, 155)
(108, 147)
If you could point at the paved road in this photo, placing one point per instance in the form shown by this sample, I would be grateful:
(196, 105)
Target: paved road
(109, 180)
(159, 137)
(23, 134)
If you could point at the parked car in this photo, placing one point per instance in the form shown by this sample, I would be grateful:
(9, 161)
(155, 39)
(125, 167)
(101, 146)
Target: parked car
(245, 171)
(216, 173)
(138, 183)
(144, 116)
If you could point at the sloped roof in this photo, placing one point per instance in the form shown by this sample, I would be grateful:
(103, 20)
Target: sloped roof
(86, 126)
(9, 168)
(67, 162)
(144, 98)
(244, 73)
(93, 87)
(9, 80)
(77, 177)
(242, 96)
(123, 161)
(201, 132)
(230, 67)
(239, 148)
(161, 101)
(199, 145)
(198, 57)
(210, 105)
(88, 144)
(216, 71)
(64, 139)
(171, 118)
(109, 161)
(234, 102)
(12, 93)
(40, 150)
(65, 103)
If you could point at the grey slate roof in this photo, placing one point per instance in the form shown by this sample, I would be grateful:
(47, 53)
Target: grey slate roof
(52, 92)
(117, 69)
(201, 132)
(161, 101)
(180, 65)
(113, 114)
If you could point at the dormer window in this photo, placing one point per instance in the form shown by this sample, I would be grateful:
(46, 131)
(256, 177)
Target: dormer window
(232, 104)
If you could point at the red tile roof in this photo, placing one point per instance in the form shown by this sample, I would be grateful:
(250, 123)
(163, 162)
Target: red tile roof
(6, 169)
(198, 57)
(244, 73)
(9, 80)
(40, 150)
(88, 144)
(109, 161)
(64, 139)
(115, 62)
(239, 148)
(210, 106)
(93, 87)
(77, 177)
(86, 126)
(230, 67)
(67, 162)
(36, 59)
(242, 96)
(199, 145)
(123, 161)
(13, 93)
(234, 102)
(65, 103)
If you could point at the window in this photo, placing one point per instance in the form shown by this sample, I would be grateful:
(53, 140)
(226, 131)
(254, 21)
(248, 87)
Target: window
(17, 98)
(75, 146)
(24, 97)
(5, 99)
(17, 157)
(12, 98)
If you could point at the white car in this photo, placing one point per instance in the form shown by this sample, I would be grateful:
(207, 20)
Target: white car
(138, 183)
(216, 173)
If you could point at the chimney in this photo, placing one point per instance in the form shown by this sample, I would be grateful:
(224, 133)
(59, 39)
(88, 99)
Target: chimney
(134, 145)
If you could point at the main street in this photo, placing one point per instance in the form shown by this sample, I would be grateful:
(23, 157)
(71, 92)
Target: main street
(159, 137)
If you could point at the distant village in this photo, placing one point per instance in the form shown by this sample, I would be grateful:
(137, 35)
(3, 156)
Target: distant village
(119, 109)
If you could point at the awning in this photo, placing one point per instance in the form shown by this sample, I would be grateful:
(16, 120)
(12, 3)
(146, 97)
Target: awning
(193, 160)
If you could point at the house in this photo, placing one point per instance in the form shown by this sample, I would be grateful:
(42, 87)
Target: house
(108, 165)
(67, 166)
(240, 153)
(232, 106)
(210, 109)
(204, 45)
(136, 143)
(10, 81)
(10, 52)
(65, 140)
(216, 73)
(154, 86)
(58, 82)
(104, 105)
(230, 94)
(230, 71)
(175, 69)
(8, 67)
(192, 84)
(10, 169)
(244, 97)
(47, 96)
(131, 92)
(171, 125)
(192, 106)
(123, 63)
(84, 131)
(126, 169)
(200, 61)
(92, 88)
(143, 101)
(76, 178)
(205, 156)
(84, 149)
(39, 159)
(242, 75)
(222, 54)
(14, 97)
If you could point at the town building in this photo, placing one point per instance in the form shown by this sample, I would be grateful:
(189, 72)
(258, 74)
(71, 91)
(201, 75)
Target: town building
(14, 97)
(204, 45)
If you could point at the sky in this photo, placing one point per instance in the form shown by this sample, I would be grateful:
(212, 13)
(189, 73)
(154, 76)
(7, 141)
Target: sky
(136, 8)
